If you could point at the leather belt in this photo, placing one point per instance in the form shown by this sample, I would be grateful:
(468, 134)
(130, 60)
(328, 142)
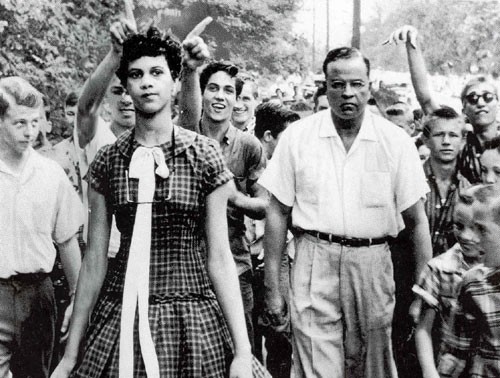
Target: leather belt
(26, 278)
(346, 241)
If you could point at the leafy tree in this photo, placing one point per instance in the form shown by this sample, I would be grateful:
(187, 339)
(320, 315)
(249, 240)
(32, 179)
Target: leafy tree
(456, 34)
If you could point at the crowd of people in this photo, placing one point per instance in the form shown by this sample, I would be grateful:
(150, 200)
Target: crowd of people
(203, 232)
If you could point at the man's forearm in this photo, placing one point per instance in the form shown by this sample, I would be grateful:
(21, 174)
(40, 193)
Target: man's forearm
(252, 207)
(421, 245)
(190, 100)
(274, 243)
(71, 260)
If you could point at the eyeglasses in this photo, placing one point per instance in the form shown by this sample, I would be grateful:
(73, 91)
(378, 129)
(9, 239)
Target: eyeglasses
(170, 179)
(473, 98)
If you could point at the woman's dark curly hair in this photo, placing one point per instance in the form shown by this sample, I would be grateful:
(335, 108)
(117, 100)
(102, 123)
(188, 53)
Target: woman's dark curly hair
(153, 43)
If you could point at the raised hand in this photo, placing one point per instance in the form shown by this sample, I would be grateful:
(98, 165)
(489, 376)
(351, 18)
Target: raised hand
(405, 34)
(123, 29)
(195, 50)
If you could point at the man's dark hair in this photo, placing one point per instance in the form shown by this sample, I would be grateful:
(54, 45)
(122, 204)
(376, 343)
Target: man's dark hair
(418, 114)
(152, 44)
(493, 144)
(444, 112)
(215, 67)
(344, 53)
(273, 117)
(71, 99)
(321, 91)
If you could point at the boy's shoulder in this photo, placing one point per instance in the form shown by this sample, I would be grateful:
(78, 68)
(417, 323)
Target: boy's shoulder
(450, 262)
(477, 278)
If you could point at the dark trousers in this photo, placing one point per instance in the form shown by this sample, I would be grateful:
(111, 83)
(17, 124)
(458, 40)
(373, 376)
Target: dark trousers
(27, 326)
(245, 279)
(278, 344)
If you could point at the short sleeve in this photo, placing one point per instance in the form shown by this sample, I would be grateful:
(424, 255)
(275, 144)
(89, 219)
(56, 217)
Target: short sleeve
(427, 287)
(411, 184)
(279, 176)
(97, 176)
(256, 161)
(215, 171)
(69, 214)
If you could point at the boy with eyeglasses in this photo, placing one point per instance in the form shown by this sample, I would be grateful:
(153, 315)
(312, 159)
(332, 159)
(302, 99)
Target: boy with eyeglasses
(479, 103)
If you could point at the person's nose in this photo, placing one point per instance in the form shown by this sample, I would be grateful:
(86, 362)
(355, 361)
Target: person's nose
(348, 91)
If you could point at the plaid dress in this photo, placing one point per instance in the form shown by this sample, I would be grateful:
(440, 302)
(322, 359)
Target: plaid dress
(187, 324)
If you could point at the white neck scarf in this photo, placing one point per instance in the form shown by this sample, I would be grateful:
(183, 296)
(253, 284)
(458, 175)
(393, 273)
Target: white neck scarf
(136, 287)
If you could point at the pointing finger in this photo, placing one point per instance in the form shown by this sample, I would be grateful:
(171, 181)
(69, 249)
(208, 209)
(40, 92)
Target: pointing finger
(198, 29)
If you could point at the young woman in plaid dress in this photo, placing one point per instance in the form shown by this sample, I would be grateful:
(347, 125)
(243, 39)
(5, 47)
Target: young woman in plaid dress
(180, 314)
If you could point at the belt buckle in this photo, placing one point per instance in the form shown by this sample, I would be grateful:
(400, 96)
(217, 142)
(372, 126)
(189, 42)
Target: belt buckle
(330, 239)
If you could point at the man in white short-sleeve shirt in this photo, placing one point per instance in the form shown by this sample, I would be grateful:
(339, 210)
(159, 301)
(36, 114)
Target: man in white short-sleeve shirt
(350, 180)
(38, 207)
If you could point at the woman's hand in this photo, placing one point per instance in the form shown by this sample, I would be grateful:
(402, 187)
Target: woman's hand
(241, 367)
(64, 368)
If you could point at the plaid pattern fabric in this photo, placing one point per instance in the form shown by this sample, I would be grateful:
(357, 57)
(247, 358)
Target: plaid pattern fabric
(438, 285)
(472, 345)
(440, 210)
(187, 324)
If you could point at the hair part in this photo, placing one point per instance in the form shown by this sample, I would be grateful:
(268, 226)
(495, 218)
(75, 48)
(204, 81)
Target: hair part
(443, 113)
(152, 44)
(15, 88)
(227, 67)
(273, 117)
(344, 53)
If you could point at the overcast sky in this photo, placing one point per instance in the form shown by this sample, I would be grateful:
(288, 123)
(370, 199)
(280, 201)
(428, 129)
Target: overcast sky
(340, 19)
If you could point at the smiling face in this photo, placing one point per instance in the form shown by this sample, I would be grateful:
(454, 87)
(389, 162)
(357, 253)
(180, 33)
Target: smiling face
(120, 104)
(150, 84)
(478, 110)
(19, 128)
(347, 88)
(445, 140)
(244, 108)
(219, 97)
(488, 231)
(465, 231)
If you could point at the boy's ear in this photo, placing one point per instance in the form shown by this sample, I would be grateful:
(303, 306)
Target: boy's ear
(267, 136)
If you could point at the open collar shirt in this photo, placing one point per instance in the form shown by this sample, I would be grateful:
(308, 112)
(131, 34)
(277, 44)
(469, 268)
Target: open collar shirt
(38, 207)
(360, 193)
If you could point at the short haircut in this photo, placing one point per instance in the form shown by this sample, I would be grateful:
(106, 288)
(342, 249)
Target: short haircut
(215, 67)
(152, 44)
(493, 144)
(476, 81)
(273, 117)
(489, 196)
(321, 91)
(248, 79)
(446, 113)
(344, 53)
(20, 91)
(71, 99)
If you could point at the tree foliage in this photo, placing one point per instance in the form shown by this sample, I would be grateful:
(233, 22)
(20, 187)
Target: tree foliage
(461, 35)
(55, 44)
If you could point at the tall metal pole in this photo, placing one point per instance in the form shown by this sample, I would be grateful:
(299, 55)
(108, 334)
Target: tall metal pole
(327, 26)
(314, 38)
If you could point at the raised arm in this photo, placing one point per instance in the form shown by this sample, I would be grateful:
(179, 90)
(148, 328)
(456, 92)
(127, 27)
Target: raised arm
(195, 53)
(90, 280)
(224, 277)
(96, 85)
(409, 36)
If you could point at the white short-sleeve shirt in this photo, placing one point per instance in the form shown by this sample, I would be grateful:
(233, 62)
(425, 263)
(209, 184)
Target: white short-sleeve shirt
(360, 193)
(38, 206)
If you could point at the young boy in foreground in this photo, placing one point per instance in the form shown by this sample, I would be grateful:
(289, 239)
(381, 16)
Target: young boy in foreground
(472, 347)
(438, 284)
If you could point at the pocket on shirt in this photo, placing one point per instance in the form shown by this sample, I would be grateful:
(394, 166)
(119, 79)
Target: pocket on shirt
(375, 189)
(307, 184)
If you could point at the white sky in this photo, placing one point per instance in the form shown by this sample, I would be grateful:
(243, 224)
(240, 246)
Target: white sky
(340, 19)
